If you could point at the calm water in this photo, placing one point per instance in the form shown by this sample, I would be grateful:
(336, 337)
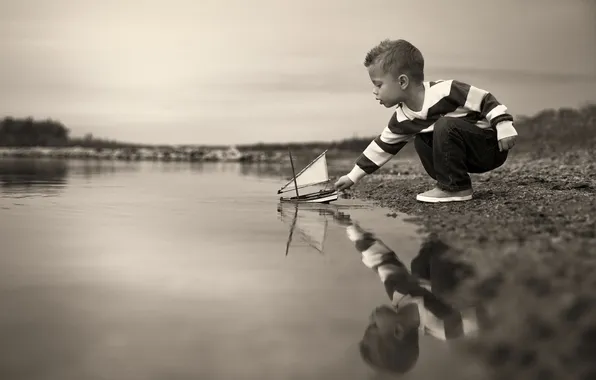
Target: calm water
(171, 271)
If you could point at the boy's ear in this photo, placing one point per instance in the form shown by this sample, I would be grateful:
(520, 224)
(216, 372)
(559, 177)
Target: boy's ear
(403, 81)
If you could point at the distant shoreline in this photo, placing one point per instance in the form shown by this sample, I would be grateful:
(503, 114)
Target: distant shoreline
(550, 131)
(230, 154)
(138, 154)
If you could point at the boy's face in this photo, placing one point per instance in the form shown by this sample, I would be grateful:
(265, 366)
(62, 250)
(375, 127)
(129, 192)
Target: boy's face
(389, 342)
(388, 91)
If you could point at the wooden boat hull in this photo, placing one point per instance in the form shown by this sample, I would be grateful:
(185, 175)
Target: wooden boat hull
(319, 197)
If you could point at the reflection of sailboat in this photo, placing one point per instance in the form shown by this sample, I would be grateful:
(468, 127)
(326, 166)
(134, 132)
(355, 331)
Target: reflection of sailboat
(307, 224)
(313, 174)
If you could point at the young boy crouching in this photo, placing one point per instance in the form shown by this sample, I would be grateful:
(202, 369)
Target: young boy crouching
(457, 128)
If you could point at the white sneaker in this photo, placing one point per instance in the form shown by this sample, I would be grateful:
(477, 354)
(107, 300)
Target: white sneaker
(437, 195)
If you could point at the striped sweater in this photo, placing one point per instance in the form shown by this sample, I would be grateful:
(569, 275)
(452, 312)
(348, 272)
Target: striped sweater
(442, 98)
(437, 318)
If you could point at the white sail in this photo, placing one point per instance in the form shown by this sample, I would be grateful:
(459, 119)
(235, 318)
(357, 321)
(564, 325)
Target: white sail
(313, 174)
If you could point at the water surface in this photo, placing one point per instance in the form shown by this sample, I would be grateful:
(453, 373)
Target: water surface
(116, 270)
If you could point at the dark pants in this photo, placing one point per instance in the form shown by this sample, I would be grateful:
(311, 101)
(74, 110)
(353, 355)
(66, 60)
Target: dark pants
(446, 273)
(440, 264)
(456, 148)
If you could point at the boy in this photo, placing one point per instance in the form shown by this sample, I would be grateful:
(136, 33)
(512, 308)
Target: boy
(457, 128)
(390, 341)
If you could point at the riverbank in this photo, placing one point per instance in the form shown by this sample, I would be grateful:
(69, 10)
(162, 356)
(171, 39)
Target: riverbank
(531, 233)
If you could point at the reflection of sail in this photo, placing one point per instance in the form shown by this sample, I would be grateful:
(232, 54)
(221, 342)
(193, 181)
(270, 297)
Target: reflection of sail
(313, 174)
(307, 224)
(311, 230)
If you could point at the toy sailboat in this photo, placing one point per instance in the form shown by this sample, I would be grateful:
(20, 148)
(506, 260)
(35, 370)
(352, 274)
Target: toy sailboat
(313, 174)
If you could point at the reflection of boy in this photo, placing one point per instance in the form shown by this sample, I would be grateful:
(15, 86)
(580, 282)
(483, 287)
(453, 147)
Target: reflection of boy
(391, 339)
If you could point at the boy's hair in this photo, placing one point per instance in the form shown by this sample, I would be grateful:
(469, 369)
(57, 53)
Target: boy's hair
(390, 354)
(397, 57)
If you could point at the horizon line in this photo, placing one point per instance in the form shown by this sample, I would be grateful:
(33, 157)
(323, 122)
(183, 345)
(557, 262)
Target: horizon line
(586, 104)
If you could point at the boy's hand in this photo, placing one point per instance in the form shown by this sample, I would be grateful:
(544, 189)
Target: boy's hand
(507, 143)
(343, 183)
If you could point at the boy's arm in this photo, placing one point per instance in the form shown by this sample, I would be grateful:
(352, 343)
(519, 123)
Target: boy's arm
(391, 270)
(478, 100)
(378, 153)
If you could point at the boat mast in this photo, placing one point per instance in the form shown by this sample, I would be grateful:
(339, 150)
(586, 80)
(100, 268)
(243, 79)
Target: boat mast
(293, 173)
(292, 230)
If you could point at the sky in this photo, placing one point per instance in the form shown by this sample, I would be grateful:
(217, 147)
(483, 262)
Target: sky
(238, 71)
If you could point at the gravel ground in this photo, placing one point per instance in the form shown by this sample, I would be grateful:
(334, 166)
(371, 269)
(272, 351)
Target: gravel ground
(531, 233)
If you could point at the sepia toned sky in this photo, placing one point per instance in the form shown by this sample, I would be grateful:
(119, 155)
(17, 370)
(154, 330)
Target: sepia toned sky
(238, 71)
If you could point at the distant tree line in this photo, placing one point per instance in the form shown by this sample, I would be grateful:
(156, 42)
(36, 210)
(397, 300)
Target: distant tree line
(555, 130)
(89, 141)
(351, 144)
(550, 130)
(28, 132)
(547, 131)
